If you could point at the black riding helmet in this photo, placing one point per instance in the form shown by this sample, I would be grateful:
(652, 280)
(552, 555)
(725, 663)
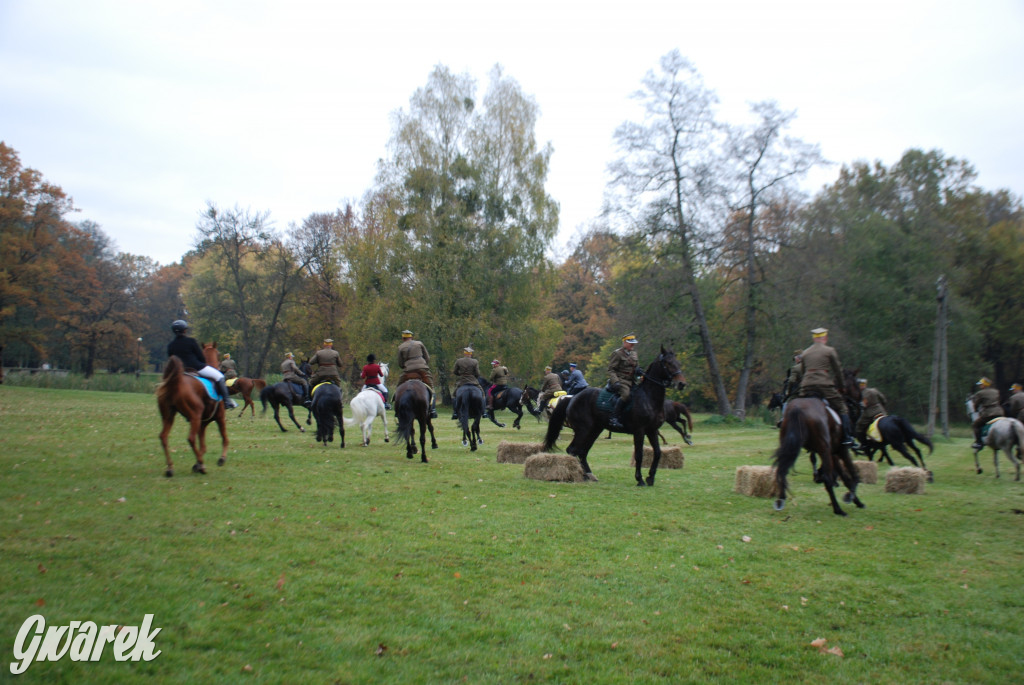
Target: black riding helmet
(179, 326)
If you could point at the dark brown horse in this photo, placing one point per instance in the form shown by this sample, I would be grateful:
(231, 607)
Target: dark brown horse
(678, 416)
(184, 394)
(241, 386)
(809, 424)
(643, 416)
(412, 403)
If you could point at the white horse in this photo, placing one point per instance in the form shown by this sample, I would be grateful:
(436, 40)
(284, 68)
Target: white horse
(367, 405)
(1004, 434)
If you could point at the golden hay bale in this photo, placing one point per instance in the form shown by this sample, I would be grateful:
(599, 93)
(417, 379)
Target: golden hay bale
(867, 470)
(562, 468)
(517, 452)
(908, 480)
(755, 481)
(671, 458)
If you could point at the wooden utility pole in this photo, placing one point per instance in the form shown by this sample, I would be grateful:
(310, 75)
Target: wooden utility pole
(939, 396)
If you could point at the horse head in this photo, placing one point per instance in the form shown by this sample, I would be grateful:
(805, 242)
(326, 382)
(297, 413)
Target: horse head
(211, 354)
(672, 369)
(383, 371)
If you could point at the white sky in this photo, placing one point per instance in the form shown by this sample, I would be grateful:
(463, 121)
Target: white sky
(142, 110)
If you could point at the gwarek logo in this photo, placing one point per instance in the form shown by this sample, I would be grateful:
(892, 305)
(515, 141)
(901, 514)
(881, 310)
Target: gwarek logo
(81, 641)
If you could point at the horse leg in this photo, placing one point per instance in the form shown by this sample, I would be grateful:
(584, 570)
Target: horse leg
(995, 459)
(850, 477)
(196, 431)
(223, 427)
(903, 450)
(518, 411)
(652, 437)
(433, 440)
(383, 419)
(168, 423)
(277, 417)
(638, 457)
(291, 413)
(832, 496)
(423, 442)
(581, 449)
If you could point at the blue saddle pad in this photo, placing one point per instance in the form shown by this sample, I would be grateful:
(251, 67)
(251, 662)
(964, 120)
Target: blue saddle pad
(211, 390)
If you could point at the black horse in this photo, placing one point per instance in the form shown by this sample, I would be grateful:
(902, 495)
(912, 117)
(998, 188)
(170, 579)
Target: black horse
(896, 432)
(412, 403)
(327, 405)
(512, 399)
(279, 395)
(469, 405)
(678, 416)
(808, 424)
(644, 414)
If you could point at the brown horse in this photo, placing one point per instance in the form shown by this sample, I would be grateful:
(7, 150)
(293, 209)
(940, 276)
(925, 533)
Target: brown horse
(412, 403)
(184, 394)
(242, 386)
(808, 424)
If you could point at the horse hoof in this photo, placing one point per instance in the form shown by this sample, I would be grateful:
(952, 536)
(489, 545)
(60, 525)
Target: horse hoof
(650, 481)
(386, 440)
(169, 473)
(931, 477)
(198, 468)
(464, 443)
(501, 425)
(848, 497)
(221, 461)
(779, 504)
(979, 471)
(589, 476)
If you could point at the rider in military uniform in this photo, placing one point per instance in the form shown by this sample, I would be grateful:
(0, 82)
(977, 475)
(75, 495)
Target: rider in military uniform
(874, 403)
(1015, 405)
(821, 374)
(414, 361)
(466, 371)
(290, 372)
(327, 361)
(191, 355)
(549, 386)
(621, 369)
(986, 403)
(499, 382)
(228, 368)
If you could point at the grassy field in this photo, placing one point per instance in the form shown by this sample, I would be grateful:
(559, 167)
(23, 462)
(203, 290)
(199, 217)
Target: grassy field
(299, 563)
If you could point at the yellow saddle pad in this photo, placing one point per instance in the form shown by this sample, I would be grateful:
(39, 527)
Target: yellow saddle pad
(873, 431)
(230, 381)
(559, 394)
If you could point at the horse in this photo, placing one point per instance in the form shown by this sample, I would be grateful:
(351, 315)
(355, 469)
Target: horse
(896, 432)
(1003, 434)
(642, 416)
(183, 394)
(281, 395)
(677, 413)
(241, 386)
(809, 424)
(469, 404)
(412, 403)
(512, 399)
(367, 405)
(327, 404)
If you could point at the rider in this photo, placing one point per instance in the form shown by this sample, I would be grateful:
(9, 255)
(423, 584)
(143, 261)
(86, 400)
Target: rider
(621, 369)
(228, 368)
(414, 361)
(291, 372)
(499, 382)
(821, 373)
(986, 403)
(874, 403)
(549, 386)
(1015, 406)
(576, 382)
(191, 355)
(791, 385)
(466, 372)
(373, 377)
(327, 361)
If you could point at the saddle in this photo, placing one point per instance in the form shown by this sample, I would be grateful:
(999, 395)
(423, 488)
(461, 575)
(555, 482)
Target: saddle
(873, 432)
(317, 387)
(988, 426)
(211, 389)
(606, 400)
(230, 381)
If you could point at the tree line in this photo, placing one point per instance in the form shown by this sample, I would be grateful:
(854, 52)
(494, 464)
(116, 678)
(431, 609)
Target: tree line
(706, 244)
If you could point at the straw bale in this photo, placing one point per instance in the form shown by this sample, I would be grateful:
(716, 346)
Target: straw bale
(867, 470)
(755, 481)
(907, 480)
(562, 468)
(517, 452)
(671, 457)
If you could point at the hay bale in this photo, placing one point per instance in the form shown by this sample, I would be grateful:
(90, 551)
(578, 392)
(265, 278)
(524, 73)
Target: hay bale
(671, 458)
(867, 471)
(908, 480)
(561, 468)
(517, 452)
(755, 481)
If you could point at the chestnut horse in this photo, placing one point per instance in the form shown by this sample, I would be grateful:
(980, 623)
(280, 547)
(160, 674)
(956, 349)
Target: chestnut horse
(180, 393)
(242, 386)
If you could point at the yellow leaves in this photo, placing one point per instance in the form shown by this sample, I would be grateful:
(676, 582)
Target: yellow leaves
(820, 643)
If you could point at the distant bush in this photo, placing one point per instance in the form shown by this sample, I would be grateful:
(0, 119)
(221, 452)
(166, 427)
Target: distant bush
(66, 380)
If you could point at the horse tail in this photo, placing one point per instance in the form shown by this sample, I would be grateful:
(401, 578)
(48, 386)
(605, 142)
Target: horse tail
(258, 384)
(406, 415)
(791, 441)
(912, 434)
(555, 424)
(1018, 429)
(265, 394)
(173, 373)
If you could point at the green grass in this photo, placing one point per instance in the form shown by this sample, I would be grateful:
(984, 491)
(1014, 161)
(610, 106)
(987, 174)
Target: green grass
(300, 563)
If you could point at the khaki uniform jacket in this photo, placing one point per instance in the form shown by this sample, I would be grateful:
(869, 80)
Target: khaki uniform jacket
(551, 384)
(228, 368)
(792, 383)
(820, 367)
(1016, 405)
(290, 370)
(622, 366)
(412, 356)
(873, 402)
(499, 375)
(466, 371)
(986, 403)
(327, 362)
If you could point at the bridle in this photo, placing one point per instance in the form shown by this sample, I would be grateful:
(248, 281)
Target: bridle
(657, 381)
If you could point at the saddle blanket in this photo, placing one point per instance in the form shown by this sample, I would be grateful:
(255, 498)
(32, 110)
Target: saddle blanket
(988, 425)
(606, 401)
(873, 431)
(211, 389)
(230, 381)
(298, 388)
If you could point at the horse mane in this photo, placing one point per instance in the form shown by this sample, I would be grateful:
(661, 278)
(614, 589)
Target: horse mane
(172, 375)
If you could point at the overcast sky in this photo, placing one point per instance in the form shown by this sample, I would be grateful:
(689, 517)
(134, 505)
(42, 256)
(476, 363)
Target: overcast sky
(143, 111)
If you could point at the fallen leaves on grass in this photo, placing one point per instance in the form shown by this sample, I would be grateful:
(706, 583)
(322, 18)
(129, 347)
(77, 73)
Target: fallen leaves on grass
(820, 644)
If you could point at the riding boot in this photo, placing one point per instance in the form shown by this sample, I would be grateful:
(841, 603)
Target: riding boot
(387, 405)
(222, 388)
(433, 407)
(977, 440)
(615, 421)
(848, 440)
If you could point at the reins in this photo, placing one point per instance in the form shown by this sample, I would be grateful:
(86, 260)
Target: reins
(656, 381)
